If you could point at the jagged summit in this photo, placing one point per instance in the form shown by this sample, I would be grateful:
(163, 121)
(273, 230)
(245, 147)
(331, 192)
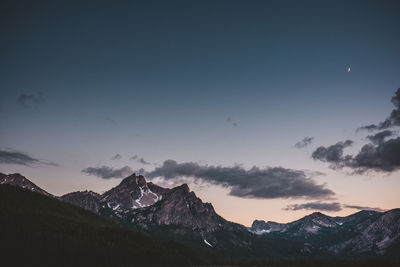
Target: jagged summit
(17, 179)
(261, 227)
(133, 192)
(88, 200)
(179, 207)
(183, 187)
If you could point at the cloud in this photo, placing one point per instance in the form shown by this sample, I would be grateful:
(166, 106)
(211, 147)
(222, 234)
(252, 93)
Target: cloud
(332, 154)
(141, 160)
(27, 100)
(19, 158)
(382, 157)
(305, 142)
(230, 121)
(333, 206)
(379, 138)
(363, 208)
(392, 120)
(268, 183)
(369, 128)
(378, 156)
(106, 172)
(116, 157)
(133, 157)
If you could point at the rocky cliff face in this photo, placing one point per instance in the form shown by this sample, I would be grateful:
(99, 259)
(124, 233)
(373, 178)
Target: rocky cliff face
(87, 200)
(261, 227)
(132, 193)
(179, 206)
(373, 236)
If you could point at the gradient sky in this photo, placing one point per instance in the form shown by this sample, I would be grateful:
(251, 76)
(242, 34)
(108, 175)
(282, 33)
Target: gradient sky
(212, 82)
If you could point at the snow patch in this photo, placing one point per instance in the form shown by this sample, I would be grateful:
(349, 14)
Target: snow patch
(205, 241)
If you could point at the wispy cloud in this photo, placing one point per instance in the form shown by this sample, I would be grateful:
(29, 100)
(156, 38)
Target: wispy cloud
(232, 122)
(143, 161)
(305, 142)
(28, 100)
(392, 120)
(116, 157)
(333, 206)
(140, 160)
(271, 182)
(363, 208)
(20, 158)
(106, 172)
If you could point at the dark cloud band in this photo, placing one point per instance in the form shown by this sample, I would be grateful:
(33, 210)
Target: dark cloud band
(267, 183)
(380, 155)
(19, 158)
(106, 172)
(334, 206)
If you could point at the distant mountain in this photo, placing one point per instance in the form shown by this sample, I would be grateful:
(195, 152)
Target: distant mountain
(132, 193)
(178, 214)
(87, 200)
(374, 236)
(17, 179)
(363, 233)
(261, 227)
(312, 224)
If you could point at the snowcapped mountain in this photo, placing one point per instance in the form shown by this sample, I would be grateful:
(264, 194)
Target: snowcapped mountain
(132, 193)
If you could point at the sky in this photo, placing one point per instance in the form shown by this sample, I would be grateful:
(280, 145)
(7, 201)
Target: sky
(249, 102)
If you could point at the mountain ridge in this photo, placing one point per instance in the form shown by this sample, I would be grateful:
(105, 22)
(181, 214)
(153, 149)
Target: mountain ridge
(178, 214)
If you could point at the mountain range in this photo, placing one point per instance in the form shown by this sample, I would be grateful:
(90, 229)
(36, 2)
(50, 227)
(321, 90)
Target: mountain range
(178, 215)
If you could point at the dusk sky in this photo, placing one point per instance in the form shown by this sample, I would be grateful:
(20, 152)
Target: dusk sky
(249, 102)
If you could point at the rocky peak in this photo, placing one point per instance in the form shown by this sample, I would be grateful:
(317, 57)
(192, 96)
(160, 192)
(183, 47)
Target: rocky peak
(88, 200)
(181, 207)
(17, 179)
(261, 227)
(141, 181)
(182, 189)
(133, 192)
